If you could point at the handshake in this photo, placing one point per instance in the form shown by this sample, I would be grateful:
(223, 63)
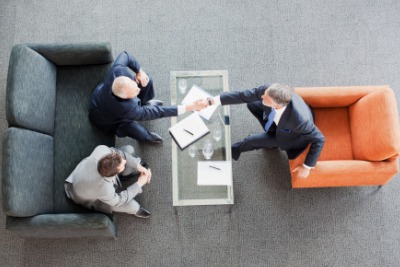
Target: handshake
(200, 104)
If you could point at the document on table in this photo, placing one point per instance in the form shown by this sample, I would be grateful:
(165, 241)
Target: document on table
(196, 93)
(188, 130)
(214, 173)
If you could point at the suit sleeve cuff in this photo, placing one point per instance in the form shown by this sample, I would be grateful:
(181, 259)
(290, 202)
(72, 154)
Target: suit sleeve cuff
(307, 167)
(181, 109)
(217, 100)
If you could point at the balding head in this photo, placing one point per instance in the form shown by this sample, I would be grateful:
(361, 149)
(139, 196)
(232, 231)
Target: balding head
(125, 88)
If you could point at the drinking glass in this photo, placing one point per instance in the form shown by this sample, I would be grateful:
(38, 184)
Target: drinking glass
(182, 84)
(217, 134)
(208, 150)
(192, 151)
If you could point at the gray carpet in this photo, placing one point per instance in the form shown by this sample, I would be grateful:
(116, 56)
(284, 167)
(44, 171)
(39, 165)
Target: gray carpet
(302, 43)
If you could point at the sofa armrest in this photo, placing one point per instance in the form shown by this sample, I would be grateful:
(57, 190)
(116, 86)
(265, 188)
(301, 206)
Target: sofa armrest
(67, 225)
(76, 53)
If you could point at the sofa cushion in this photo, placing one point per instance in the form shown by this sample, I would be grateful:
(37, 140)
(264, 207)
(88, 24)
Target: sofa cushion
(31, 90)
(335, 126)
(74, 136)
(27, 187)
(375, 126)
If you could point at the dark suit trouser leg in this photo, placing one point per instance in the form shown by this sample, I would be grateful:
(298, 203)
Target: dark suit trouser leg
(257, 109)
(252, 142)
(134, 130)
(146, 93)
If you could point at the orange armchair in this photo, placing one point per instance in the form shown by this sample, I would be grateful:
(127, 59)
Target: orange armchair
(362, 136)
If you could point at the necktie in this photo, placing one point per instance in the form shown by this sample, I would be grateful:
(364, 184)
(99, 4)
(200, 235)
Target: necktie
(117, 185)
(271, 117)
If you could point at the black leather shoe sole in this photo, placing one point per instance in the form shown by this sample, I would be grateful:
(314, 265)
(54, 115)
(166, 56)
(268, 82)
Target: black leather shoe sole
(142, 213)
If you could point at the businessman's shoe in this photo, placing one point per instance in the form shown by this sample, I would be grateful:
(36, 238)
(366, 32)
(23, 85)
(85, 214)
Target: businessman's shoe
(142, 213)
(235, 153)
(155, 138)
(154, 102)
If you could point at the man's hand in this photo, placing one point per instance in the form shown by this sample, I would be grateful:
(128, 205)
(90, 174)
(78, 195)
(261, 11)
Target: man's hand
(302, 172)
(141, 169)
(142, 78)
(144, 178)
(197, 105)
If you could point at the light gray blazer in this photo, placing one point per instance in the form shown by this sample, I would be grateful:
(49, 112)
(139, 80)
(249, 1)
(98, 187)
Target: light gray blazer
(85, 185)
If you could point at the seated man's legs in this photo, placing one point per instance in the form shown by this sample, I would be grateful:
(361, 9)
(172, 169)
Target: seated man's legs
(251, 142)
(131, 162)
(257, 109)
(137, 131)
(132, 207)
(147, 92)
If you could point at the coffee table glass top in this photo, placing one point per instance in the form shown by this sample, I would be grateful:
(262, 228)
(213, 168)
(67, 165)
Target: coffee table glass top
(185, 190)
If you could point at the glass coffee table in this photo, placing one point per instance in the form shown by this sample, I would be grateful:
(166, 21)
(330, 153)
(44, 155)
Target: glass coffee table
(185, 190)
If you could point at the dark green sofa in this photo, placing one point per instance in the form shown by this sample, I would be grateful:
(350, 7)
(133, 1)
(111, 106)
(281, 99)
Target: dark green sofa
(48, 92)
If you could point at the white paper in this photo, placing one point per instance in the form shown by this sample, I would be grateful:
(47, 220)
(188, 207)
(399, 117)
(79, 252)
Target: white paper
(183, 129)
(196, 93)
(208, 173)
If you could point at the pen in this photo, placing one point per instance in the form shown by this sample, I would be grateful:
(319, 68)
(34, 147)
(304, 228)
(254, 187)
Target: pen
(221, 119)
(188, 131)
(214, 167)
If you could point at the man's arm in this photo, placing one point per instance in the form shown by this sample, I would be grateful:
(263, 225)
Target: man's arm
(245, 96)
(128, 60)
(144, 113)
(115, 199)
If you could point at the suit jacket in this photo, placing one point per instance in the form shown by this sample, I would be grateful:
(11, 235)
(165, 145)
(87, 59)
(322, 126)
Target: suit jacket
(296, 128)
(108, 111)
(85, 185)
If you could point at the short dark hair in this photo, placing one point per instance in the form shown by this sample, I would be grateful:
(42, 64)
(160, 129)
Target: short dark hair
(108, 165)
(280, 93)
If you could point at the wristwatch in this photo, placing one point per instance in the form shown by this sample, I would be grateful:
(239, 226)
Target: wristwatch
(209, 101)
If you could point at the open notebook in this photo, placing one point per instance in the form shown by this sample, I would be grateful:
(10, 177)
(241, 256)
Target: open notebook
(188, 130)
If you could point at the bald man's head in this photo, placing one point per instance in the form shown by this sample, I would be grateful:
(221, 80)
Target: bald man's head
(124, 87)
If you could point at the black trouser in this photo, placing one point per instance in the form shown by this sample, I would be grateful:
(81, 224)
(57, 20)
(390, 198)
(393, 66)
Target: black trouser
(255, 141)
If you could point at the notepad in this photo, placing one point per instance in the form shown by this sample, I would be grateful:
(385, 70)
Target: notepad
(214, 173)
(188, 130)
(196, 93)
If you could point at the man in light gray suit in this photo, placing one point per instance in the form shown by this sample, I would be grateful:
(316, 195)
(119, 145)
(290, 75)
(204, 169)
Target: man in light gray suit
(95, 183)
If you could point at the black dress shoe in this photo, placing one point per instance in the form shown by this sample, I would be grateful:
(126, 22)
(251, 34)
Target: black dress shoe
(155, 138)
(142, 213)
(154, 102)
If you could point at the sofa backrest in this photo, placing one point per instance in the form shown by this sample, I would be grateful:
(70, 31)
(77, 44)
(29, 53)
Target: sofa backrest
(31, 90)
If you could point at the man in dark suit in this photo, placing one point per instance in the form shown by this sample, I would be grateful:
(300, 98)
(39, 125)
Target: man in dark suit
(286, 119)
(126, 97)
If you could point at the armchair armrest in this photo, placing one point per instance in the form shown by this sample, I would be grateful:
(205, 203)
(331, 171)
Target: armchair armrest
(67, 225)
(75, 54)
(375, 118)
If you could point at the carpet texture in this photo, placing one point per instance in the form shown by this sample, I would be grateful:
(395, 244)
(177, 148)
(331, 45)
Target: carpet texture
(301, 43)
